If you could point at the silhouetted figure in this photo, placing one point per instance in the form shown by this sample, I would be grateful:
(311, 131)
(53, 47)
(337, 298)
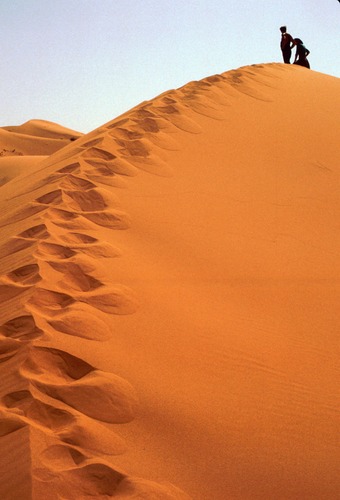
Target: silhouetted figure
(286, 44)
(301, 53)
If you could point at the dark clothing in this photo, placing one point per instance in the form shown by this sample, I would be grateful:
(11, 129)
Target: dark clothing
(301, 56)
(303, 62)
(286, 41)
(287, 54)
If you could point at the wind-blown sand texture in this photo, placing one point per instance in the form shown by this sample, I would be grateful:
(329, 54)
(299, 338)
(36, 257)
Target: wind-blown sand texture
(169, 299)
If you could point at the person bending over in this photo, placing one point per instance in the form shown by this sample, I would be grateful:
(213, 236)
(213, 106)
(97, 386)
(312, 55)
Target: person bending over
(301, 53)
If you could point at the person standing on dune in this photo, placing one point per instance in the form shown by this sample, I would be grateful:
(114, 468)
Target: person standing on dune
(301, 53)
(286, 44)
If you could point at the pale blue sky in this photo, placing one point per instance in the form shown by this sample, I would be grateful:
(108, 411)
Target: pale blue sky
(81, 63)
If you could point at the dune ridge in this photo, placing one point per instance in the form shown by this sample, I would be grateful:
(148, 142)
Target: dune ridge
(64, 228)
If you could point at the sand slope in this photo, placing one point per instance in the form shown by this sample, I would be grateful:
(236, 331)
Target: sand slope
(35, 137)
(23, 147)
(169, 299)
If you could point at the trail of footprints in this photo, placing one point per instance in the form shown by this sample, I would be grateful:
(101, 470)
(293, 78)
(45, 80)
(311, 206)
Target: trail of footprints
(61, 395)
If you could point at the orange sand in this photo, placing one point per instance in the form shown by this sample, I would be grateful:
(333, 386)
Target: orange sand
(169, 297)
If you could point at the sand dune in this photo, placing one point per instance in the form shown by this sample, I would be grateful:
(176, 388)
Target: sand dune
(35, 137)
(169, 297)
(23, 147)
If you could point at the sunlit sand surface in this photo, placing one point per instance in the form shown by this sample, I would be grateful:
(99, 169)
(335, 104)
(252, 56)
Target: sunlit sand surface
(169, 296)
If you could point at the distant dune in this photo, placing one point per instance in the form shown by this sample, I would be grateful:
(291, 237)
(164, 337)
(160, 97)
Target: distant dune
(35, 137)
(170, 294)
(23, 147)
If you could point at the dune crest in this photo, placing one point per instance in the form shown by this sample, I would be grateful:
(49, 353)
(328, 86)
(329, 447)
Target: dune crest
(159, 335)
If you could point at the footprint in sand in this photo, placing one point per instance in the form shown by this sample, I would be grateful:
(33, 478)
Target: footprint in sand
(9, 423)
(59, 174)
(86, 197)
(75, 182)
(25, 275)
(25, 213)
(135, 487)
(76, 239)
(9, 348)
(48, 303)
(64, 377)
(139, 153)
(94, 479)
(51, 198)
(85, 201)
(107, 178)
(164, 141)
(89, 435)
(68, 169)
(60, 215)
(117, 123)
(115, 300)
(8, 292)
(38, 232)
(113, 219)
(15, 245)
(45, 249)
(98, 153)
(100, 250)
(67, 425)
(126, 133)
(66, 219)
(148, 124)
(60, 456)
(90, 245)
(176, 114)
(143, 112)
(24, 240)
(37, 411)
(134, 147)
(74, 277)
(94, 142)
(119, 166)
(204, 106)
(80, 322)
(153, 130)
(99, 480)
(21, 328)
